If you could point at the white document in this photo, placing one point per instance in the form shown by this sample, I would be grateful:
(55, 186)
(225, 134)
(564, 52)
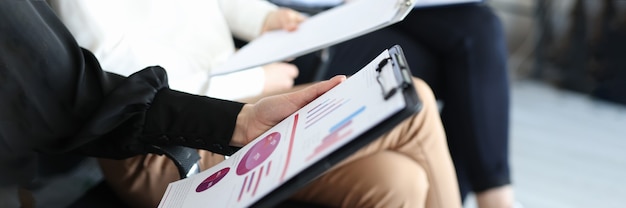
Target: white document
(341, 23)
(324, 125)
(309, 3)
(432, 3)
(330, 3)
(327, 28)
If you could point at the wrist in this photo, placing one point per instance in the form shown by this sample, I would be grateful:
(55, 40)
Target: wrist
(267, 23)
(240, 133)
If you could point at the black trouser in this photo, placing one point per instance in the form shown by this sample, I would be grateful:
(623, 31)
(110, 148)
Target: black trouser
(461, 52)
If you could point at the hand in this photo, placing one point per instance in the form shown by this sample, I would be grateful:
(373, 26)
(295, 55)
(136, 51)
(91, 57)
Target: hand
(254, 119)
(279, 77)
(283, 18)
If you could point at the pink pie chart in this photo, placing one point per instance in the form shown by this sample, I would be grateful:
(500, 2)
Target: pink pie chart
(212, 180)
(258, 153)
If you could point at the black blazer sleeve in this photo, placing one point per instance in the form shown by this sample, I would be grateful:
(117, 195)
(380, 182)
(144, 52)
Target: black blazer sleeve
(55, 98)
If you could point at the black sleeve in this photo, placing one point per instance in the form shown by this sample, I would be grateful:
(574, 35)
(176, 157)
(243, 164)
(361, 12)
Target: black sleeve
(54, 98)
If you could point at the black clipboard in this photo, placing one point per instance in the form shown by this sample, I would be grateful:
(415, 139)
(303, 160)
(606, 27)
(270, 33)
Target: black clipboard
(392, 97)
(401, 73)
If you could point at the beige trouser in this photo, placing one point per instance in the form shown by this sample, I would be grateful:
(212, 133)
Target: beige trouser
(409, 166)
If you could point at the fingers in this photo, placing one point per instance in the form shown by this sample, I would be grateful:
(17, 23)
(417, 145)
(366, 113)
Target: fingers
(256, 118)
(292, 70)
(279, 77)
(288, 69)
(290, 19)
(308, 94)
(283, 18)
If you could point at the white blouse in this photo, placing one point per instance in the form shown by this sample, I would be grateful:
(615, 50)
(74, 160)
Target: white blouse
(186, 37)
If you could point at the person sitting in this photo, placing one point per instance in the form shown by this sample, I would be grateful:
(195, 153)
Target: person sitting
(73, 106)
(460, 51)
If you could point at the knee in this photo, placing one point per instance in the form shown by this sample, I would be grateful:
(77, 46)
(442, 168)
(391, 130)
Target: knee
(398, 181)
(407, 188)
(382, 179)
(486, 25)
(425, 93)
(486, 46)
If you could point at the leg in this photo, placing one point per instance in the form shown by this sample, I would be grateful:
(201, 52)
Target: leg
(498, 197)
(475, 90)
(417, 148)
(141, 180)
(415, 151)
(408, 186)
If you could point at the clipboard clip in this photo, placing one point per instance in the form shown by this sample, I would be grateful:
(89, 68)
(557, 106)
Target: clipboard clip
(388, 90)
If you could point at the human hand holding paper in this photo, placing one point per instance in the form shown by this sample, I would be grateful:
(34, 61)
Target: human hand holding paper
(257, 118)
(283, 18)
(324, 29)
(279, 76)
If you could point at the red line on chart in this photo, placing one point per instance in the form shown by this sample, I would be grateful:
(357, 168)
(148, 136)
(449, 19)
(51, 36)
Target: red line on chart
(315, 112)
(269, 164)
(317, 106)
(293, 135)
(250, 184)
(336, 133)
(320, 111)
(331, 139)
(257, 181)
(323, 107)
(242, 188)
(334, 107)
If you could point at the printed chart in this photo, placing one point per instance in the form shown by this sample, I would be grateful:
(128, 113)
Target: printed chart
(256, 157)
(305, 138)
(322, 110)
(212, 180)
(337, 133)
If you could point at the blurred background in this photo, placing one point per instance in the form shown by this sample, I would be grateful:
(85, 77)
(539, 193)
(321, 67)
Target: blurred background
(568, 127)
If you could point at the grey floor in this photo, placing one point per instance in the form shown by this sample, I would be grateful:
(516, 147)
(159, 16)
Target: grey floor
(567, 150)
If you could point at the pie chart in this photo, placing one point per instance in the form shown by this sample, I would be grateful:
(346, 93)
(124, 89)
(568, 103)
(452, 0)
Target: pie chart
(212, 180)
(258, 153)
